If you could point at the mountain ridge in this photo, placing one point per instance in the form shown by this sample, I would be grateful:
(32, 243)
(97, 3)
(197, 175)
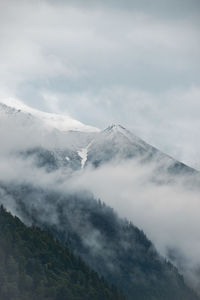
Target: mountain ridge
(92, 136)
(60, 122)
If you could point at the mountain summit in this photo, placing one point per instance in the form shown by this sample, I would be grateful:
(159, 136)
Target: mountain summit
(116, 142)
(115, 127)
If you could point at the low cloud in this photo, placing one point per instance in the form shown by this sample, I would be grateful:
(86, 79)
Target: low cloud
(168, 211)
(164, 206)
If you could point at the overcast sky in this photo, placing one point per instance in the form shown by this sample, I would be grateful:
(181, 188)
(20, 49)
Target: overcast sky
(131, 62)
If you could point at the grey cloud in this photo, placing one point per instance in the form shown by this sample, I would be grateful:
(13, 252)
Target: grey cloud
(94, 46)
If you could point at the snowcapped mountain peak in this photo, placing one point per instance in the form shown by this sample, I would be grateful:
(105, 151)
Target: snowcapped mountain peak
(55, 121)
(115, 127)
(7, 109)
(118, 130)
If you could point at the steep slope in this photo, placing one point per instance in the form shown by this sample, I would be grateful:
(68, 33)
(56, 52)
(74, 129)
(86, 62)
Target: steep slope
(116, 143)
(34, 266)
(111, 246)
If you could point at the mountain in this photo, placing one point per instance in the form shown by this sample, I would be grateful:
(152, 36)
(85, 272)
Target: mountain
(35, 266)
(116, 143)
(40, 165)
(34, 135)
(54, 145)
(113, 247)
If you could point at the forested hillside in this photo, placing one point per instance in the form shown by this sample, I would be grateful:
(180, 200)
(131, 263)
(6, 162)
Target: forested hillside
(35, 266)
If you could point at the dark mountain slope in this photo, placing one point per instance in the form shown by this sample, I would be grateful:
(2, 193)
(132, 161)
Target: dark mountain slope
(34, 266)
(111, 246)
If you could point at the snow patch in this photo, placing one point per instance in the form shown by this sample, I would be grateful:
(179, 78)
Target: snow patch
(57, 121)
(83, 153)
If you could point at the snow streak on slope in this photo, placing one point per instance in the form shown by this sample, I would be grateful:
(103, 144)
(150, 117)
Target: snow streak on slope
(60, 122)
(83, 153)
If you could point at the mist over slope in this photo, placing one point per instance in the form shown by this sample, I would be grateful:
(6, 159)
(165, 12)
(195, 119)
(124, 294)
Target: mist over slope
(111, 246)
(155, 192)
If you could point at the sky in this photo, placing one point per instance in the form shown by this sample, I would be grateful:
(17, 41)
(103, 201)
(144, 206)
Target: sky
(130, 62)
